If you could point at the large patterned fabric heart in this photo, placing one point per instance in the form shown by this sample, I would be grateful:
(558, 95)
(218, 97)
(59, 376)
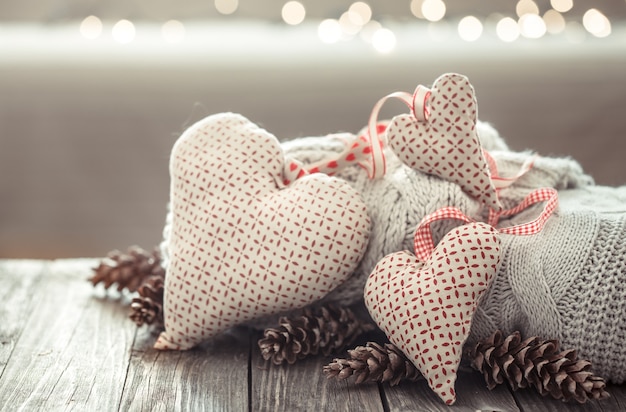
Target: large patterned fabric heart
(445, 143)
(426, 308)
(247, 241)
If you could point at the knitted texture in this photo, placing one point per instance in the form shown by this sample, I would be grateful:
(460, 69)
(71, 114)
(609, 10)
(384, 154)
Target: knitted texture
(565, 283)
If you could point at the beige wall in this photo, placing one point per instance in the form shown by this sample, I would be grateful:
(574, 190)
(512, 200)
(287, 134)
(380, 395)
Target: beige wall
(85, 138)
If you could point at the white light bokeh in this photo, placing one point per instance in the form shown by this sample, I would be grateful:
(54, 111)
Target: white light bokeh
(555, 22)
(293, 13)
(348, 27)
(226, 6)
(329, 31)
(507, 29)
(173, 31)
(367, 32)
(433, 10)
(562, 6)
(91, 27)
(123, 31)
(470, 28)
(596, 23)
(532, 26)
(384, 40)
(526, 7)
(416, 8)
(360, 13)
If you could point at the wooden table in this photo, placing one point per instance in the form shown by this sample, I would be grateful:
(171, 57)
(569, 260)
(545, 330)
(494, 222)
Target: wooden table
(65, 345)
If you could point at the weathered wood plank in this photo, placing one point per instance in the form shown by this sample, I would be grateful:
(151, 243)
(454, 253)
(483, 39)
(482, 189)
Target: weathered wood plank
(19, 278)
(211, 378)
(530, 401)
(73, 351)
(472, 395)
(304, 387)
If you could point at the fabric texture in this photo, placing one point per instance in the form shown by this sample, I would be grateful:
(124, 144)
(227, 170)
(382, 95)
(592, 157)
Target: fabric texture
(425, 307)
(247, 237)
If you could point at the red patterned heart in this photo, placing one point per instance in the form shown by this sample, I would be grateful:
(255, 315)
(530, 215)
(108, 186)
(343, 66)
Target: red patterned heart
(250, 235)
(426, 308)
(440, 138)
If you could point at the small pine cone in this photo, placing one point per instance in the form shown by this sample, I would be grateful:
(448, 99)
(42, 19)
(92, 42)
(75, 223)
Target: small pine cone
(325, 331)
(146, 311)
(374, 363)
(538, 363)
(128, 270)
(148, 307)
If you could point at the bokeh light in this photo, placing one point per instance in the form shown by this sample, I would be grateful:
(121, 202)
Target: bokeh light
(562, 6)
(526, 7)
(507, 29)
(123, 31)
(329, 31)
(596, 23)
(433, 10)
(416, 8)
(360, 13)
(91, 27)
(384, 40)
(532, 26)
(226, 6)
(368, 31)
(470, 28)
(555, 22)
(293, 13)
(173, 31)
(347, 24)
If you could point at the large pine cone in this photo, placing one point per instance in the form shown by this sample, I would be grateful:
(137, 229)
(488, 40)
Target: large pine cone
(537, 363)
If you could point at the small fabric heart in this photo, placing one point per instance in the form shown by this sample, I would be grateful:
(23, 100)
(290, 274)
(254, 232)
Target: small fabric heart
(426, 307)
(440, 138)
(251, 233)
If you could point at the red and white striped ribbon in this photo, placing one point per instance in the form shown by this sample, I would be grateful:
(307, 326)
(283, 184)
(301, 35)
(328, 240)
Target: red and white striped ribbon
(500, 182)
(423, 241)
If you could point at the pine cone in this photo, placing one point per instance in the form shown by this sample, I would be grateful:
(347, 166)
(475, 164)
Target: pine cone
(148, 307)
(537, 363)
(129, 269)
(325, 331)
(374, 363)
(144, 310)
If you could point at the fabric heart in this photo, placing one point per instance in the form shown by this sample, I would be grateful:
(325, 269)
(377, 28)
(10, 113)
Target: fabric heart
(248, 238)
(440, 137)
(426, 307)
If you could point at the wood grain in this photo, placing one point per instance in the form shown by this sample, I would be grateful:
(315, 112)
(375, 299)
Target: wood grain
(72, 353)
(66, 345)
(471, 392)
(304, 387)
(211, 378)
(530, 400)
(19, 278)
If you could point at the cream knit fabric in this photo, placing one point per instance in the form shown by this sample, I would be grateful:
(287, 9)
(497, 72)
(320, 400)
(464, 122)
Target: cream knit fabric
(567, 282)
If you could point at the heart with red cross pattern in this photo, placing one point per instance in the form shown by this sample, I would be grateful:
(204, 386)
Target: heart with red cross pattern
(440, 138)
(426, 308)
(251, 234)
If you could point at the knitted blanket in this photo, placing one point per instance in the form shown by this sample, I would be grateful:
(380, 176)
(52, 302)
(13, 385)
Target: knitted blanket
(567, 282)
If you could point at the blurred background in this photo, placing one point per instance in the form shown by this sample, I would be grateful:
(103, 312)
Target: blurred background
(93, 94)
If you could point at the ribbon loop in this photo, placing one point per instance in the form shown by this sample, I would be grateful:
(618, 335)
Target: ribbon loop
(420, 107)
(417, 103)
(548, 195)
(423, 242)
